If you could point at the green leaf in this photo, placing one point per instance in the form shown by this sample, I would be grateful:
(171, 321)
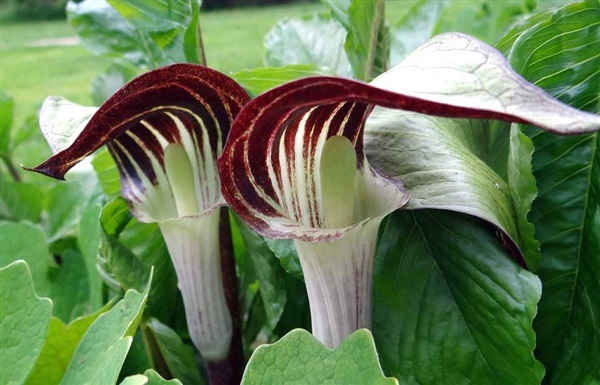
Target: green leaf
(66, 201)
(20, 201)
(105, 33)
(107, 173)
(59, 348)
(367, 40)
(117, 261)
(271, 277)
(24, 319)
(300, 358)
(192, 48)
(102, 351)
(108, 82)
(413, 29)
(129, 249)
(7, 106)
(300, 41)
(28, 242)
(285, 250)
(449, 304)
(558, 51)
(70, 291)
(150, 377)
(178, 356)
(484, 19)
(165, 22)
(523, 190)
(258, 80)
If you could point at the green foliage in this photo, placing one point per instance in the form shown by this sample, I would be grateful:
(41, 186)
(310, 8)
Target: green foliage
(24, 319)
(450, 304)
(566, 169)
(298, 357)
(476, 306)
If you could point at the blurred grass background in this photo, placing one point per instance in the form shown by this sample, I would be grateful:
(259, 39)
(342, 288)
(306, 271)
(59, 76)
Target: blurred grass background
(42, 58)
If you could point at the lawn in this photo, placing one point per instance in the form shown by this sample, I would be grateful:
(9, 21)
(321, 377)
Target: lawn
(30, 70)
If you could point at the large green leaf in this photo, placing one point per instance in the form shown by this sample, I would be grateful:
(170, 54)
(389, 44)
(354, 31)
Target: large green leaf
(59, 348)
(450, 306)
(484, 19)
(300, 359)
(102, 351)
(24, 319)
(104, 32)
(164, 21)
(558, 51)
(413, 29)
(300, 41)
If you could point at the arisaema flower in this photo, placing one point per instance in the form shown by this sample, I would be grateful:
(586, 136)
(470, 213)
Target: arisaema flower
(294, 165)
(165, 130)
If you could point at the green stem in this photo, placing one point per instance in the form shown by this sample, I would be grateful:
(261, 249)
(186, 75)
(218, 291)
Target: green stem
(375, 28)
(11, 168)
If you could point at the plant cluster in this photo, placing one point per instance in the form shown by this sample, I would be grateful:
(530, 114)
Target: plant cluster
(426, 206)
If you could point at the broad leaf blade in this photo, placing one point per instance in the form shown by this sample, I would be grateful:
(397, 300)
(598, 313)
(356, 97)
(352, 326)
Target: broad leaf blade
(559, 51)
(300, 41)
(59, 348)
(298, 357)
(24, 319)
(415, 27)
(450, 306)
(105, 33)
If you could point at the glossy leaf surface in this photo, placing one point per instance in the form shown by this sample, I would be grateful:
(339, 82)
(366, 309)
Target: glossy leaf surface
(554, 51)
(475, 306)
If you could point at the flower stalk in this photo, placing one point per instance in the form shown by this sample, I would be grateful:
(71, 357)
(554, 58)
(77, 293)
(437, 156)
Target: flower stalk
(165, 130)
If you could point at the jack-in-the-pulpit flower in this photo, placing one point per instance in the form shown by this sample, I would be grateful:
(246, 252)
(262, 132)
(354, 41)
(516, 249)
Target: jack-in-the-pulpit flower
(165, 130)
(294, 165)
